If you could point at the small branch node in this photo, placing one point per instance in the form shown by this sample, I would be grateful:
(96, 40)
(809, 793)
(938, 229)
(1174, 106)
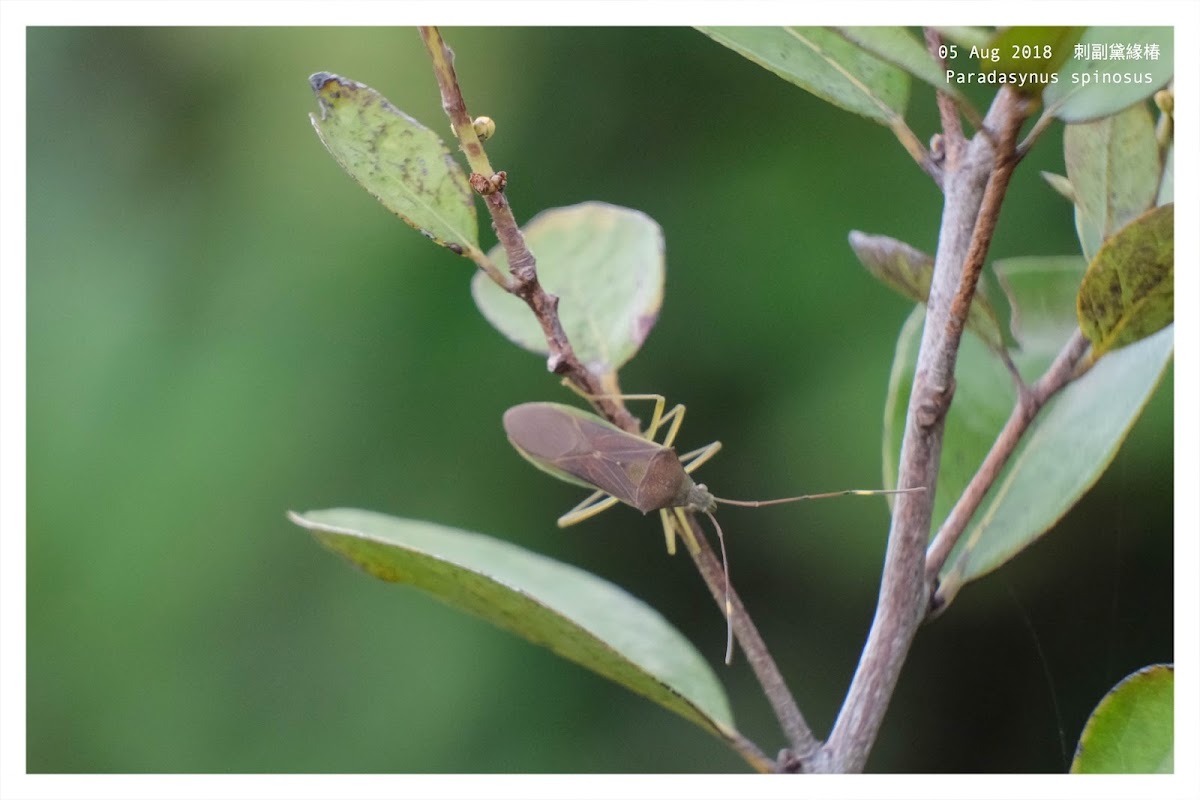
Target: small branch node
(787, 763)
(485, 185)
(937, 149)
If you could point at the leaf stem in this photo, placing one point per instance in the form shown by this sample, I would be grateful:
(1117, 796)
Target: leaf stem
(749, 751)
(916, 149)
(1035, 132)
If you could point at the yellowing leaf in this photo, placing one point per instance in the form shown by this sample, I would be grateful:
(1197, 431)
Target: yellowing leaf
(1128, 292)
(402, 163)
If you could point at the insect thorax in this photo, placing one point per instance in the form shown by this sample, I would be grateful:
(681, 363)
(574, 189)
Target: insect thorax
(665, 484)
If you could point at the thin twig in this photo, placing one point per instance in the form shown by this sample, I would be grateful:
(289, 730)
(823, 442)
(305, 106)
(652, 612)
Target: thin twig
(521, 263)
(1025, 410)
(799, 735)
(452, 100)
(916, 149)
(953, 140)
(974, 188)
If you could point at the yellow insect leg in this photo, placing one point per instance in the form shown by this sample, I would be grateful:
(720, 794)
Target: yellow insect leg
(668, 529)
(698, 457)
(657, 418)
(592, 505)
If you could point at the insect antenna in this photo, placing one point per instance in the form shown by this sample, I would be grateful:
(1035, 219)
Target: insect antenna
(759, 504)
(843, 493)
(728, 592)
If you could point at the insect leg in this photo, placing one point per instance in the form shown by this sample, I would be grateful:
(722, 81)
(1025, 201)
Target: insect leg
(673, 523)
(657, 419)
(685, 530)
(668, 529)
(593, 504)
(675, 416)
(693, 460)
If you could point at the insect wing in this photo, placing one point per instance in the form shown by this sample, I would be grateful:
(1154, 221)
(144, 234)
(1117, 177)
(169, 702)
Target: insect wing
(581, 448)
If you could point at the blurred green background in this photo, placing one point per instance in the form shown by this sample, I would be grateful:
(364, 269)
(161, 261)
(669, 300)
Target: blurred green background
(223, 326)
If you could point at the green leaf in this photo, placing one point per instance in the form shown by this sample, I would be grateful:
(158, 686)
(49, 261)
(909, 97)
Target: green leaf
(577, 615)
(898, 47)
(406, 166)
(965, 36)
(910, 272)
(1040, 291)
(822, 62)
(1091, 88)
(1113, 166)
(1064, 451)
(1132, 730)
(607, 267)
(1128, 292)
(1060, 184)
(1033, 49)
